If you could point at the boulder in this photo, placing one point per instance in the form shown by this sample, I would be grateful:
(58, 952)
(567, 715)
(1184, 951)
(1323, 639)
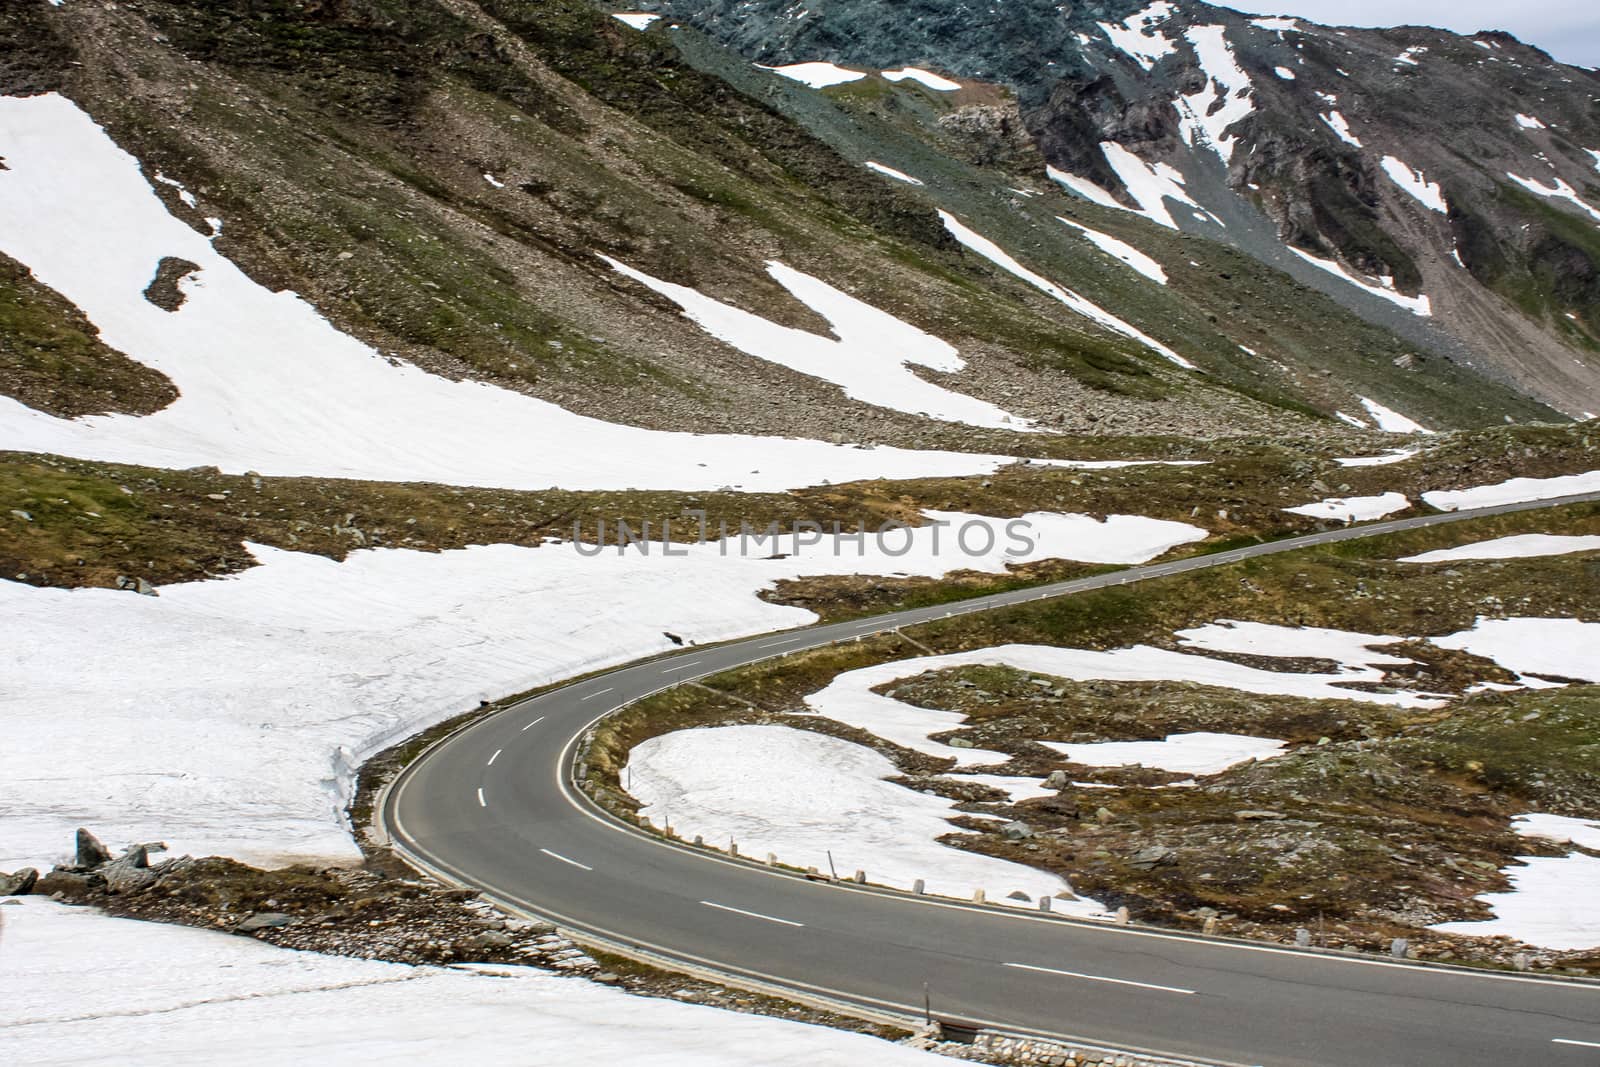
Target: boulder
(131, 870)
(488, 941)
(18, 884)
(69, 884)
(1056, 780)
(263, 920)
(1016, 831)
(91, 853)
(1154, 856)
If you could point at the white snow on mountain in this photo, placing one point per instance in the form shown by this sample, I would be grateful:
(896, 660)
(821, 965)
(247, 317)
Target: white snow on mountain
(1085, 188)
(802, 796)
(1002, 259)
(890, 172)
(82, 987)
(1336, 122)
(1517, 546)
(925, 78)
(1151, 186)
(1354, 508)
(228, 716)
(1557, 190)
(1512, 491)
(1121, 250)
(268, 385)
(1192, 753)
(1551, 899)
(1205, 115)
(1415, 185)
(817, 75)
(1384, 289)
(869, 356)
(1391, 421)
(639, 20)
(1136, 37)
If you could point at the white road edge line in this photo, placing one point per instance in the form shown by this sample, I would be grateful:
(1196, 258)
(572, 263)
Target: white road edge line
(1570, 1041)
(494, 757)
(563, 859)
(1101, 978)
(751, 914)
(601, 693)
(532, 724)
(681, 667)
(482, 803)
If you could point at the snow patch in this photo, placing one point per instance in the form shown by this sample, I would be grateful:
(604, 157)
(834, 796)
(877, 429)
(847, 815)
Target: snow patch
(801, 795)
(1390, 421)
(1194, 753)
(1138, 40)
(922, 77)
(1354, 508)
(1085, 188)
(1000, 258)
(869, 357)
(1205, 115)
(1529, 122)
(1121, 250)
(1551, 900)
(1394, 455)
(1384, 290)
(1517, 546)
(81, 984)
(817, 75)
(1563, 648)
(227, 717)
(492, 180)
(1336, 122)
(1415, 184)
(1151, 186)
(1277, 25)
(890, 172)
(1284, 72)
(1558, 190)
(266, 384)
(1512, 491)
(639, 20)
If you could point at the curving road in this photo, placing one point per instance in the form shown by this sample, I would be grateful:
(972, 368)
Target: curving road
(494, 807)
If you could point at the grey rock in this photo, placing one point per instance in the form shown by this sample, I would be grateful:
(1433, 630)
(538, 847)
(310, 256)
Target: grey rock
(1253, 816)
(90, 852)
(131, 870)
(1016, 831)
(263, 920)
(959, 742)
(1056, 780)
(19, 884)
(23, 515)
(489, 939)
(1104, 817)
(1154, 856)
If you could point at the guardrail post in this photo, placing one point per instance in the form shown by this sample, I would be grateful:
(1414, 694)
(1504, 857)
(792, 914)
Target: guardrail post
(772, 859)
(919, 887)
(861, 878)
(1122, 915)
(978, 896)
(1302, 938)
(1044, 903)
(699, 842)
(1399, 947)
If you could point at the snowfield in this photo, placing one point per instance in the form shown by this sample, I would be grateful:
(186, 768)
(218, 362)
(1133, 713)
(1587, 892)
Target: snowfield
(890, 172)
(1517, 546)
(1394, 455)
(1389, 420)
(1002, 259)
(1417, 305)
(1415, 185)
(1560, 648)
(1193, 753)
(1513, 491)
(817, 75)
(1151, 186)
(799, 794)
(926, 78)
(869, 357)
(1121, 250)
(1205, 115)
(1551, 900)
(79, 987)
(227, 717)
(268, 385)
(1136, 38)
(1354, 508)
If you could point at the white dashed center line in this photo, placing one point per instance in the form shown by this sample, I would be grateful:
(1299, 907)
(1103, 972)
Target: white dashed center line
(534, 723)
(1100, 978)
(482, 803)
(563, 859)
(751, 914)
(601, 693)
(1570, 1041)
(494, 757)
(680, 667)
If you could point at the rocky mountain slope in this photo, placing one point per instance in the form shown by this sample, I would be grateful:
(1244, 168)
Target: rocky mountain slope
(466, 186)
(1447, 187)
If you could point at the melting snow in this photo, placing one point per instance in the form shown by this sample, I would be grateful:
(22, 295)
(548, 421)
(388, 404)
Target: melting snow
(1085, 188)
(869, 357)
(1122, 250)
(1277, 25)
(1391, 421)
(1136, 37)
(639, 20)
(1551, 900)
(801, 795)
(1354, 508)
(890, 172)
(1194, 753)
(1205, 115)
(998, 256)
(923, 77)
(1564, 648)
(1528, 122)
(1418, 187)
(227, 717)
(816, 75)
(1558, 190)
(1517, 546)
(268, 385)
(1394, 455)
(84, 987)
(1408, 58)
(1151, 186)
(1513, 490)
(1284, 72)
(1417, 305)
(1336, 122)
(496, 182)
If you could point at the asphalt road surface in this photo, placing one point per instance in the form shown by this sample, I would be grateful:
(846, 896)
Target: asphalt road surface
(494, 807)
